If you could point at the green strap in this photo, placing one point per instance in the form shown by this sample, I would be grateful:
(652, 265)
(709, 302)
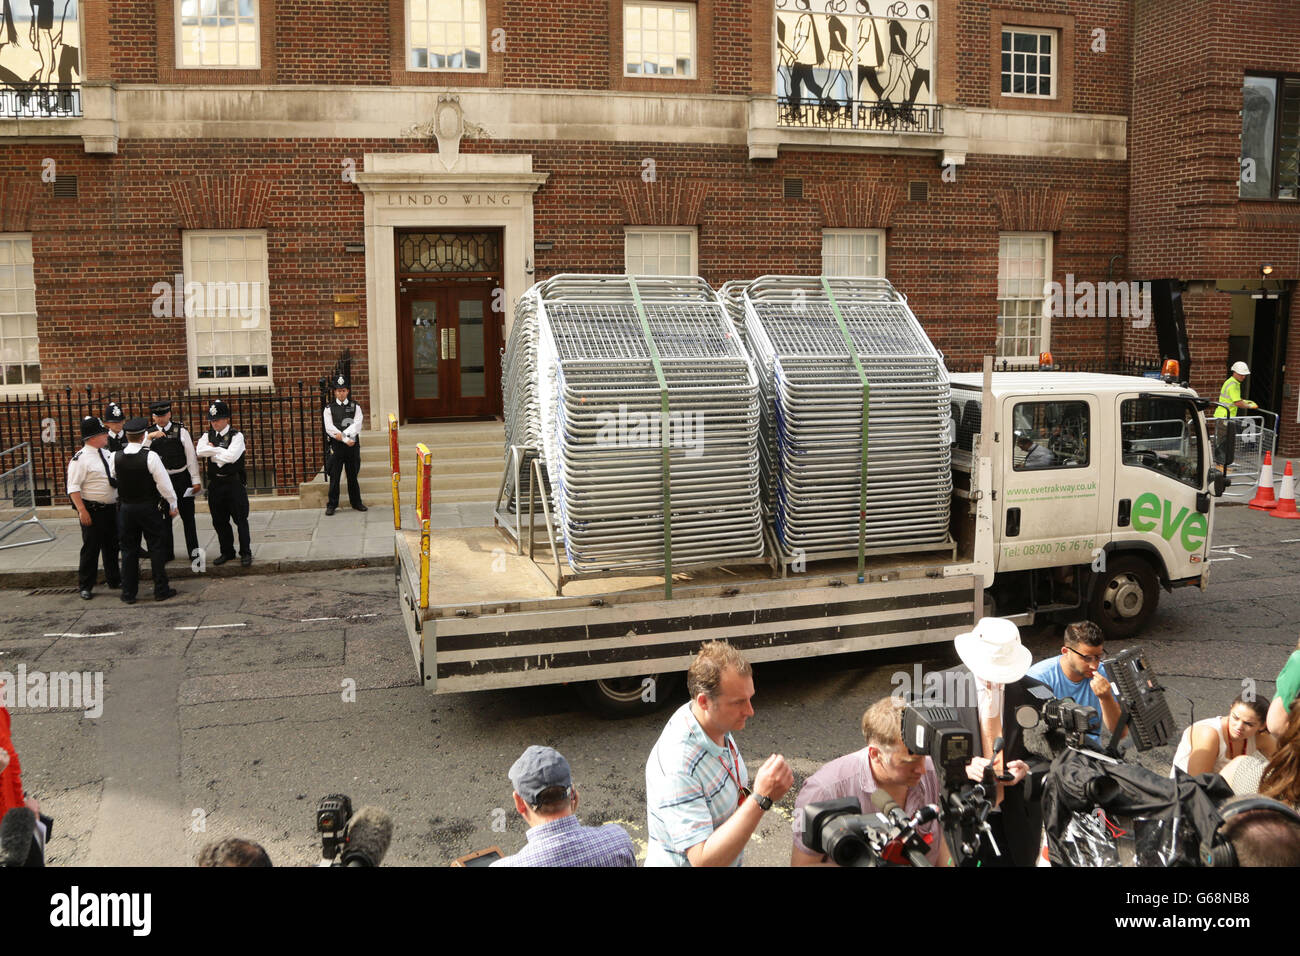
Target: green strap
(663, 436)
(866, 402)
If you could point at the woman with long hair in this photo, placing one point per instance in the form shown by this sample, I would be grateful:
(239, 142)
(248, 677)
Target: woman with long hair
(1281, 779)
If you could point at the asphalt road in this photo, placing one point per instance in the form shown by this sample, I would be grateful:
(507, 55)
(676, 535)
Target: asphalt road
(227, 711)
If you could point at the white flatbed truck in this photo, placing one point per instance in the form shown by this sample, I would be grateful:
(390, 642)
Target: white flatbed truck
(1118, 505)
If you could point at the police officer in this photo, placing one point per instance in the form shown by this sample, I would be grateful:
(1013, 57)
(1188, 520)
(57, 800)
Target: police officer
(342, 420)
(141, 481)
(114, 419)
(174, 446)
(93, 491)
(223, 447)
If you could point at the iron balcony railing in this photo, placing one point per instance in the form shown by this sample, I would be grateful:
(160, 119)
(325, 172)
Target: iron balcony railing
(32, 101)
(876, 116)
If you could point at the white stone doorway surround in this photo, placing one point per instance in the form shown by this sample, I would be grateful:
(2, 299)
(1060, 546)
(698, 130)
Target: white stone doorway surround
(431, 191)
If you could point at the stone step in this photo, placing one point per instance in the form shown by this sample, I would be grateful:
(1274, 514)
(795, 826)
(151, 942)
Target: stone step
(380, 469)
(377, 451)
(381, 493)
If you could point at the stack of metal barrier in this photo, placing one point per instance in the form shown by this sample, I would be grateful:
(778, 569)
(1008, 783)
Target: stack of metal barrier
(520, 401)
(811, 446)
(600, 416)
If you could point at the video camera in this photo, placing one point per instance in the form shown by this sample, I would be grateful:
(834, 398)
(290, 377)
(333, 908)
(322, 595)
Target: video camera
(840, 830)
(944, 735)
(352, 839)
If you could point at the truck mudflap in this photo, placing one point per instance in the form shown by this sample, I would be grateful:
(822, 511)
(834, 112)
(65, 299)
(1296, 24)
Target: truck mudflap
(465, 651)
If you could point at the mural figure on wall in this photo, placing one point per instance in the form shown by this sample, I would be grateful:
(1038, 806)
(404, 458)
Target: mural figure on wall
(40, 57)
(832, 57)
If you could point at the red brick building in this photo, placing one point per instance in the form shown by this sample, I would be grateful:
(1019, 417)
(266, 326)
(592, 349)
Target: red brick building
(388, 176)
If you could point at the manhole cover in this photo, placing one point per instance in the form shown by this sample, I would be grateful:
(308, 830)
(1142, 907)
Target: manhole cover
(43, 591)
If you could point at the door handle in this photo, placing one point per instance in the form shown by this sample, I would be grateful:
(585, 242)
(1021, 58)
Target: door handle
(1125, 513)
(452, 339)
(442, 340)
(1013, 523)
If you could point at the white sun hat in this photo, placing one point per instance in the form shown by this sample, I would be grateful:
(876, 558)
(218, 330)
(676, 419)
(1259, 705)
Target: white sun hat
(993, 651)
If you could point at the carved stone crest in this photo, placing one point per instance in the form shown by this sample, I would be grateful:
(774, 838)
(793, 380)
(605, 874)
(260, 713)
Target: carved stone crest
(448, 127)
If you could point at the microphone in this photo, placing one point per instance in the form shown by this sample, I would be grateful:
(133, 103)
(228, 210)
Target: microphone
(369, 833)
(18, 843)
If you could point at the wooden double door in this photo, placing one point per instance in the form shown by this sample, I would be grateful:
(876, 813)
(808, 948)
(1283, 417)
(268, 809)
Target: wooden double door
(450, 342)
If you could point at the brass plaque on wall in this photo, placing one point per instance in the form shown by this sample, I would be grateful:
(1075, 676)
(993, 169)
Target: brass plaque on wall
(347, 320)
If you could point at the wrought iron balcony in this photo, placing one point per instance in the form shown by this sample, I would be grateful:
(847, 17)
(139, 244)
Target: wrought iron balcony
(33, 101)
(881, 116)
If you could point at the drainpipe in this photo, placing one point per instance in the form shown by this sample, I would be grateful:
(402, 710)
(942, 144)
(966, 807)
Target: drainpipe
(1110, 269)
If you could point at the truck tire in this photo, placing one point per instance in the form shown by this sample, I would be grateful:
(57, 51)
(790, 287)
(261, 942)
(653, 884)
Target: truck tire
(1124, 596)
(629, 696)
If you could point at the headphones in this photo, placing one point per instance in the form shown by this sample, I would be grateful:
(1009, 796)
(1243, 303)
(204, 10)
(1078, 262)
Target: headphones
(1222, 852)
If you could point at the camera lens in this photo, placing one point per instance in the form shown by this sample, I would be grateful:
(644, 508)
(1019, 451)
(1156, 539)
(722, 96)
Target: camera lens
(842, 840)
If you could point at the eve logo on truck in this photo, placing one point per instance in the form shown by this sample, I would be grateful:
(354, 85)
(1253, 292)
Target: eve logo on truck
(1151, 513)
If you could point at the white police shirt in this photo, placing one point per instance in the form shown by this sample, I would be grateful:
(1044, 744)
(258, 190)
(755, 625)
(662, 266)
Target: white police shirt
(88, 476)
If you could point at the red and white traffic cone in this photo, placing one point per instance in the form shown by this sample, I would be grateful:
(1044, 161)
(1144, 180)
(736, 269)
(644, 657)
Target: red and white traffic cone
(1286, 503)
(1265, 499)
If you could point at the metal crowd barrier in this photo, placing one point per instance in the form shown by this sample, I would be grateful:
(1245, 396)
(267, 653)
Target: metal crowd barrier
(18, 496)
(1252, 436)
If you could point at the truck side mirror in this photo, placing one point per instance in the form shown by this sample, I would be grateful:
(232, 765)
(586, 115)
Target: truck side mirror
(1219, 482)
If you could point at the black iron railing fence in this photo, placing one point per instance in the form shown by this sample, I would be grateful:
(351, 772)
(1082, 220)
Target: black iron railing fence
(877, 116)
(33, 101)
(1126, 365)
(281, 427)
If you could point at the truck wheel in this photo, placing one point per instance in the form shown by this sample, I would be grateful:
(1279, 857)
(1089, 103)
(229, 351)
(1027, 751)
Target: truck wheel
(629, 696)
(1124, 597)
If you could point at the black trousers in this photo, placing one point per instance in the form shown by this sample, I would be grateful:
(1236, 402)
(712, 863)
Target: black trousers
(343, 457)
(132, 521)
(227, 502)
(185, 506)
(99, 537)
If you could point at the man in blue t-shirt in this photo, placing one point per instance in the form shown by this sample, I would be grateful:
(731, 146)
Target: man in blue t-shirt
(1077, 673)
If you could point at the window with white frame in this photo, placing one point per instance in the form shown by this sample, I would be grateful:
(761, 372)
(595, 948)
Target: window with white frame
(446, 34)
(227, 307)
(217, 34)
(20, 353)
(659, 39)
(1024, 267)
(1029, 62)
(667, 251)
(853, 252)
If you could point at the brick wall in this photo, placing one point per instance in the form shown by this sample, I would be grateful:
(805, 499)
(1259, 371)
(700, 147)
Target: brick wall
(99, 256)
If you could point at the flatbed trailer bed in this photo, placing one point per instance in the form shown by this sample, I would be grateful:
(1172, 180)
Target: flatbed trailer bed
(492, 618)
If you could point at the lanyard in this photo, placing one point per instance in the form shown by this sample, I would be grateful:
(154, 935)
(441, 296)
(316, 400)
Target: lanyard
(735, 777)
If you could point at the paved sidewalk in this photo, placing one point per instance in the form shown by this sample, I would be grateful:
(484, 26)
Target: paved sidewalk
(283, 541)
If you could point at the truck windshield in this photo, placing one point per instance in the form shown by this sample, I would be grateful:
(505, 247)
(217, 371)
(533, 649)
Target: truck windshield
(1163, 435)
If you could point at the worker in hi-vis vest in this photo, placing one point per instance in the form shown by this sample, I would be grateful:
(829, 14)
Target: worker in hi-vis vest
(1230, 393)
(1230, 396)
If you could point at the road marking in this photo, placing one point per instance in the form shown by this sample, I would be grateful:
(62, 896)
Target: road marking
(1232, 550)
(1290, 540)
(204, 627)
(350, 617)
(100, 634)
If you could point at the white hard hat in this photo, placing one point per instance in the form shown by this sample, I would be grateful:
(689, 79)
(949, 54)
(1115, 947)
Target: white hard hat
(1240, 368)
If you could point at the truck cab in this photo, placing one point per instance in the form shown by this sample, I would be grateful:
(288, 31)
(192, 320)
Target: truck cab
(1101, 490)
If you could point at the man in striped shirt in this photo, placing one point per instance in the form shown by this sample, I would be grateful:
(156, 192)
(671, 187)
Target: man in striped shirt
(701, 811)
(546, 797)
